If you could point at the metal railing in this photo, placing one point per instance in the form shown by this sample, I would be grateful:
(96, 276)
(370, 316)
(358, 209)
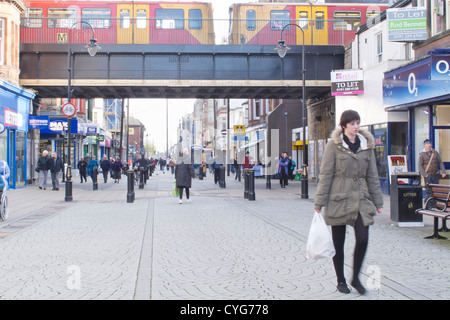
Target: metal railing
(184, 31)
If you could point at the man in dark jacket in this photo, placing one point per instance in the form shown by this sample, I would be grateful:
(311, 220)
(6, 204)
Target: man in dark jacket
(105, 165)
(56, 166)
(82, 168)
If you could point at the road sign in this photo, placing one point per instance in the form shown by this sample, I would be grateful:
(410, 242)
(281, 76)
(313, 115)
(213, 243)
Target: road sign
(239, 129)
(68, 109)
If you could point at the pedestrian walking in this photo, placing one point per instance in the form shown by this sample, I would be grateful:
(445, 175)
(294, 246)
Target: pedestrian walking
(184, 173)
(93, 168)
(237, 169)
(349, 190)
(82, 169)
(43, 170)
(430, 165)
(105, 165)
(283, 172)
(55, 166)
(5, 173)
(117, 169)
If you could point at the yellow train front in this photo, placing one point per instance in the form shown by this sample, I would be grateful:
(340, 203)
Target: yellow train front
(322, 24)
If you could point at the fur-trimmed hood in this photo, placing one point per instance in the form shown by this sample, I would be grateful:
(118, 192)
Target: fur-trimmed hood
(366, 138)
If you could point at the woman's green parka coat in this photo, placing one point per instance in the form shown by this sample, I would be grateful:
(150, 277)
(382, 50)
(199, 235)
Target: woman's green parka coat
(348, 182)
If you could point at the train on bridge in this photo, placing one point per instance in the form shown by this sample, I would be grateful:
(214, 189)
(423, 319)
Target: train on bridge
(321, 23)
(141, 22)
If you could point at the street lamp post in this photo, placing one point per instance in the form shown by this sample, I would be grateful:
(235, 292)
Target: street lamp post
(282, 49)
(92, 49)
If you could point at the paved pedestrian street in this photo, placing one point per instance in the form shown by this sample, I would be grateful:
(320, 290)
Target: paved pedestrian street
(219, 246)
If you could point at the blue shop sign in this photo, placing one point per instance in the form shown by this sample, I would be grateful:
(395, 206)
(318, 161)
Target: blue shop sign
(57, 126)
(14, 106)
(38, 122)
(417, 83)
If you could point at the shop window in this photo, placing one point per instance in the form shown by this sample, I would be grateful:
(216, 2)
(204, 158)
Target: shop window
(421, 131)
(439, 16)
(20, 159)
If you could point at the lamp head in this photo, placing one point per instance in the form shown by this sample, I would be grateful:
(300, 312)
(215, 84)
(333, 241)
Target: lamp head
(93, 47)
(282, 49)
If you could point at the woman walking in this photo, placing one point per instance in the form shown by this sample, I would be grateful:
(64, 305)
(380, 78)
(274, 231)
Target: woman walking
(184, 172)
(349, 190)
(116, 169)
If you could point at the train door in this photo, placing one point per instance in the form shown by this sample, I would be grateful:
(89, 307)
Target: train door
(133, 26)
(312, 19)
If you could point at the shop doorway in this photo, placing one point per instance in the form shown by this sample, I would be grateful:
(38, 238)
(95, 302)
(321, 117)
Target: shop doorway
(441, 140)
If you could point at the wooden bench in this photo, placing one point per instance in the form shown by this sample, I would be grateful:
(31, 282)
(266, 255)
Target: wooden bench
(441, 196)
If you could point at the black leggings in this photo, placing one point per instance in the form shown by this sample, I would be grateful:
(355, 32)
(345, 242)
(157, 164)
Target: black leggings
(181, 192)
(362, 239)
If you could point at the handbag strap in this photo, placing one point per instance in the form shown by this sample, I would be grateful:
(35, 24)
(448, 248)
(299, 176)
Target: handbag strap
(429, 162)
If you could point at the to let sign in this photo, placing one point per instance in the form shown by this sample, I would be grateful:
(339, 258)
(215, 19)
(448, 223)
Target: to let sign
(407, 24)
(347, 82)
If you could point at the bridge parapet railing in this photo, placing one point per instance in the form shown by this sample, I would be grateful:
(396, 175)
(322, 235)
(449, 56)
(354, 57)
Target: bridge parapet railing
(184, 31)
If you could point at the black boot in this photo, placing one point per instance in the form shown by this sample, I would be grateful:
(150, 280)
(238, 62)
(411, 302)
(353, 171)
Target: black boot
(358, 286)
(342, 287)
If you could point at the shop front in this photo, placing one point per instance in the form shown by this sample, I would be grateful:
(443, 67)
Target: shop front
(53, 138)
(422, 88)
(15, 104)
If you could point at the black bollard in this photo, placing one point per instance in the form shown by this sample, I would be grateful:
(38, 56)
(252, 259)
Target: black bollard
(141, 178)
(94, 179)
(130, 186)
(200, 173)
(268, 182)
(222, 177)
(245, 183)
(251, 184)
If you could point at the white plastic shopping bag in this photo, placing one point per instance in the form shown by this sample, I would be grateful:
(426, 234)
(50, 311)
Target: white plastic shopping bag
(319, 244)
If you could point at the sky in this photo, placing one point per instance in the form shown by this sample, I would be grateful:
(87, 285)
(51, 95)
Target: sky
(152, 112)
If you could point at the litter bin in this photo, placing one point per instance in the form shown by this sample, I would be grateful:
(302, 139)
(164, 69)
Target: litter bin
(406, 198)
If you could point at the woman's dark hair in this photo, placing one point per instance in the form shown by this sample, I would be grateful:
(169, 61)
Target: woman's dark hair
(348, 116)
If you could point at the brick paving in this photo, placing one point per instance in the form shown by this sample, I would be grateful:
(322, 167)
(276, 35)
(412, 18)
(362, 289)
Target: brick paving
(219, 246)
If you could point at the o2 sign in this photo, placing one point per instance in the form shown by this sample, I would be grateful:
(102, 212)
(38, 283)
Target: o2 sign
(412, 84)
(443, 67)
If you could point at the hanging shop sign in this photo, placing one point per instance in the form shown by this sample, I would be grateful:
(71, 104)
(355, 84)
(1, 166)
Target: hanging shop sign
(58, 126)
(347, 82)
(38, 122)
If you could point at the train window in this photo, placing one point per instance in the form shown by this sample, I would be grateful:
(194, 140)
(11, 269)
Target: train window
(141, 19)
(279, 19)
(124, 18)
(303, 19)
(346, 20)
(195, 19)
(169, 18)
(97, 18)
(61, 17)
(251, 20)
(320, 21)
(32, 18)
(372, 14)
